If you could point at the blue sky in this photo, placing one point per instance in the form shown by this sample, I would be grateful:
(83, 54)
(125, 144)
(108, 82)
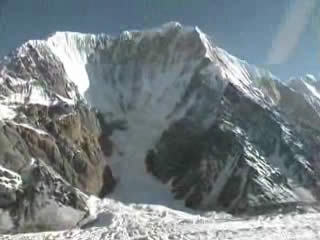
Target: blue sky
(245, 28)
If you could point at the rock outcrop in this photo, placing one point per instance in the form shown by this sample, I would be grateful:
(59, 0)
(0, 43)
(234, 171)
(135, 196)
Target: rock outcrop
(43, 117)
(39, 199)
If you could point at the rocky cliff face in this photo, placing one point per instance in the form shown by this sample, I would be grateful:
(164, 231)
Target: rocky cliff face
(43, 117)
(166, 112)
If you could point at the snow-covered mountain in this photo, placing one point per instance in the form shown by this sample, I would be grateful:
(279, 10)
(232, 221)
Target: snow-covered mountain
(162, 116)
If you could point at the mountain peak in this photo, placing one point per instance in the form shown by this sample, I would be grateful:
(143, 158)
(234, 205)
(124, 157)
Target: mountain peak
(168, 102)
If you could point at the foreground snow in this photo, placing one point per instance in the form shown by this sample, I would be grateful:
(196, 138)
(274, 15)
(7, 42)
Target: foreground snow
(139, 221)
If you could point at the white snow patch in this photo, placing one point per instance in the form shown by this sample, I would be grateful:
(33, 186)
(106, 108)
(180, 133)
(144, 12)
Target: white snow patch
(27, 126)
(312, 89)
(74, 58)
(6, 113)
(311, 77)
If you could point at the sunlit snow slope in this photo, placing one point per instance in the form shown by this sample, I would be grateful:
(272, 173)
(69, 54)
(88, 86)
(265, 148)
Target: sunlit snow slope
(119, 221)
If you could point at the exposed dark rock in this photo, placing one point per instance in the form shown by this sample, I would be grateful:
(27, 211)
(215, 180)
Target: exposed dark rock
(109, 182)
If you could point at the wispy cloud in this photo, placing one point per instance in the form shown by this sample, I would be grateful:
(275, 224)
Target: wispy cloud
(287, 39)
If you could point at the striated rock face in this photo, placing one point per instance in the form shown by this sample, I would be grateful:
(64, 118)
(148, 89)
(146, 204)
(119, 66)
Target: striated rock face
(150, 116)
(250, 157)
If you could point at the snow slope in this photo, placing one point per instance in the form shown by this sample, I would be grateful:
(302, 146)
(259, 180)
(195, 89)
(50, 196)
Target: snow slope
(120, 221)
